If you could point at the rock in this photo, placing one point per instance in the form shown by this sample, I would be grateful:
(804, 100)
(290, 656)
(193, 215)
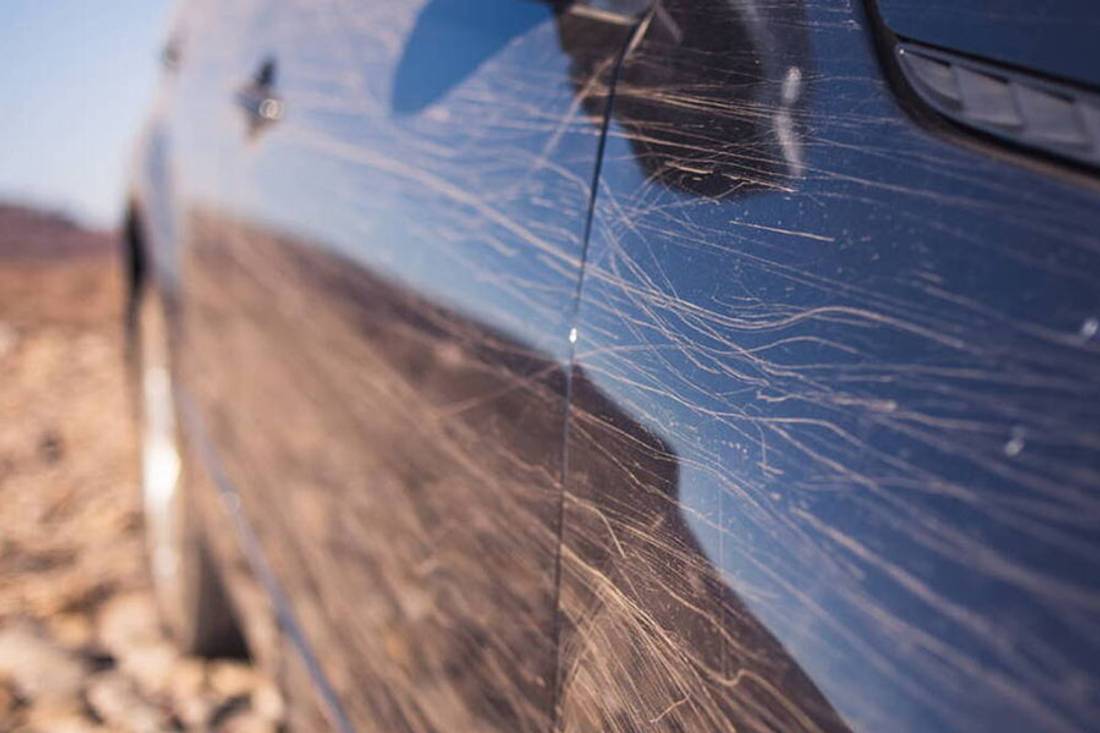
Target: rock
(9, 698)
(40, 669)
(268, 702)
(81, 647)
(151, 665)
(232, 679)
(127, 622)
(189, 694)
(116, 701)
(51, 447)
(188, 677)
(236, 715)
(71, 629)
(9, 339)
(42, 718)
(247, 722)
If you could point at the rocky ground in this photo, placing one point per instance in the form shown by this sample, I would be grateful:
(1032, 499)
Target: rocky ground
(80, 647)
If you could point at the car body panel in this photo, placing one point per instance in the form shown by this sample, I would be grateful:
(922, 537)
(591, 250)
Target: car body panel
(1051, 37)
(856, 483)
(179, 172)
(800, 434)
(376, 310)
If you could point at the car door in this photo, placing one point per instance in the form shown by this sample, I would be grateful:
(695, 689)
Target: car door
(381, 316)
(833, 445)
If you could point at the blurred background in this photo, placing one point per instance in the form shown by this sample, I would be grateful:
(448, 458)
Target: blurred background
(77, 77)
(80, 646)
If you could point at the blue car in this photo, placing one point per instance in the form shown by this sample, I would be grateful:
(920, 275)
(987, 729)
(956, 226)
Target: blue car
(623, 365)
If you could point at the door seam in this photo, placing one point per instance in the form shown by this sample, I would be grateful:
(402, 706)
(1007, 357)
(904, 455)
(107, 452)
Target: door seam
(632, 39)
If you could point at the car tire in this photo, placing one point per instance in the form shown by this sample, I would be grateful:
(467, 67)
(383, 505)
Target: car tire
(190, 596)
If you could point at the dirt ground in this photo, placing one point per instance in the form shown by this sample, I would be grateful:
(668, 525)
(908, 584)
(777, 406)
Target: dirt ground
(80, 647)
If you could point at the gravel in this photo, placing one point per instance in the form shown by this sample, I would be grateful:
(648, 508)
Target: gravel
(80, 645)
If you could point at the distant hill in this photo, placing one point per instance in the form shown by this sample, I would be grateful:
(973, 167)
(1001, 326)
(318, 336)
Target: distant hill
(31, 234)
(54, 271)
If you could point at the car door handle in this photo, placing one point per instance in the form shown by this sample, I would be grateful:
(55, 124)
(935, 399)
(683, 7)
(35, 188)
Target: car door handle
(261, 105)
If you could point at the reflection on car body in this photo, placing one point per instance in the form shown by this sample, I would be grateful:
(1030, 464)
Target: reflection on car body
(575, 369)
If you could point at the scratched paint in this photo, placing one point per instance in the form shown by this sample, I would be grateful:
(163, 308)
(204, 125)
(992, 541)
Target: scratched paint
(857, 487)
(832, 445)
(375, 301)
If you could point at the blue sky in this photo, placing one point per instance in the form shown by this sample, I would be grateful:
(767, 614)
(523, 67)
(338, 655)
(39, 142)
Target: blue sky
(76, 79)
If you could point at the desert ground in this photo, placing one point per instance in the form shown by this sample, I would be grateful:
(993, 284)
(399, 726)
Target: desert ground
(80, 646)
